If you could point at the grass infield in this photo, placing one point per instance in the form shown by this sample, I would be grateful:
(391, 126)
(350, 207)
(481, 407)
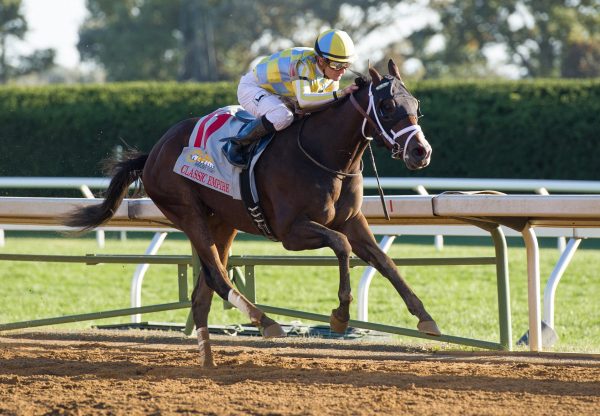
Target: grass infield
(462, 299)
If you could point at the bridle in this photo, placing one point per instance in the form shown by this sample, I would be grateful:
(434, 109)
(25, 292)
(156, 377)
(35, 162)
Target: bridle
(396, 148)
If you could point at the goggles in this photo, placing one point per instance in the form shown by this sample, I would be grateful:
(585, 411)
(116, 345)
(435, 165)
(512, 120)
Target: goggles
(337, 66)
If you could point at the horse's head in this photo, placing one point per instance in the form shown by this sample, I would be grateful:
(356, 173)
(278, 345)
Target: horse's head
(393, 117)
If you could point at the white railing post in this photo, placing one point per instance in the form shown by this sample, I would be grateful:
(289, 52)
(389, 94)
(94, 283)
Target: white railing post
(100, 237)
(365, 281)
(140, 271)
(557, 273)
(533, 288)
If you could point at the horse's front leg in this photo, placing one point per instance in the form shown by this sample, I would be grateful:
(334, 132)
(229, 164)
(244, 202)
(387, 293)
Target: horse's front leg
(364, 246)
(307, 235)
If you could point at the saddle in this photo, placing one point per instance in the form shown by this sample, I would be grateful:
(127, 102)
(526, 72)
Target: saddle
(204, 162)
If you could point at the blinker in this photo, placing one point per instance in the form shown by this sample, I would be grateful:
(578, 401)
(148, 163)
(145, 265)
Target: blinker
(405, 104)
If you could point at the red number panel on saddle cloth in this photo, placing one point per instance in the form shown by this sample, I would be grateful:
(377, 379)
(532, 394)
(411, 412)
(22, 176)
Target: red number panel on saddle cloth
(203, 160)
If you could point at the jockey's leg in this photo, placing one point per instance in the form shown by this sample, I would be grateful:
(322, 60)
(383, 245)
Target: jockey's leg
(254, 130)
(264, 105)
(272, 115)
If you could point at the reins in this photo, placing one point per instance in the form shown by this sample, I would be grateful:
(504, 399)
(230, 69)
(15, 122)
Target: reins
(316, 162)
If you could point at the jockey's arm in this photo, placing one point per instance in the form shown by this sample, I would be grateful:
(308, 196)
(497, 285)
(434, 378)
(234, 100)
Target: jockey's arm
(308, 99)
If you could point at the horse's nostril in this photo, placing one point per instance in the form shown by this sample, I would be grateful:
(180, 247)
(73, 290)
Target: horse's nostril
(419, 153)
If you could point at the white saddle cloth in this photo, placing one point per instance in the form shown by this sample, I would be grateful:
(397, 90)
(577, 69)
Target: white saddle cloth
(203, 160)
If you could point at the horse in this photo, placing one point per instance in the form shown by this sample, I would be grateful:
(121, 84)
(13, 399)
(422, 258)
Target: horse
(321, 154)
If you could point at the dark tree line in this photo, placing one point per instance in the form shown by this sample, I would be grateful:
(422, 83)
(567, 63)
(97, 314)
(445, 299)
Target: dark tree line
(13, 25)
(542, 38)
(216, 40)
(213, 40)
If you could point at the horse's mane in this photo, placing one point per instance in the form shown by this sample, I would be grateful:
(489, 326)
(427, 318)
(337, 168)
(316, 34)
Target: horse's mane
(362, 80)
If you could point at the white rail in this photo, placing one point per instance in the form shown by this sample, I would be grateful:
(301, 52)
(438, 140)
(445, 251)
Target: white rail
(468, 184)
(33, 182)
(463, 184)
(418, 185)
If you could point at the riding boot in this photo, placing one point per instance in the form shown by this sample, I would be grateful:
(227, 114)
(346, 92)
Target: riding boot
(253, 131)
(238, 149)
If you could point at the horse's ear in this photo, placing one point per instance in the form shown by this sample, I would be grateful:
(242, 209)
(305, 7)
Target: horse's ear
(393, 69)
(375, 76)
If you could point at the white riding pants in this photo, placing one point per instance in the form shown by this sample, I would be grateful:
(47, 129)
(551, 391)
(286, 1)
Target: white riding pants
(260, 102)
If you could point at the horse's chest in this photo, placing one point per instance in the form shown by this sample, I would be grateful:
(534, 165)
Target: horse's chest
(331, 209)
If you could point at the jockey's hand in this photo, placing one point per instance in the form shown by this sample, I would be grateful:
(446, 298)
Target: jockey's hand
(350, 89)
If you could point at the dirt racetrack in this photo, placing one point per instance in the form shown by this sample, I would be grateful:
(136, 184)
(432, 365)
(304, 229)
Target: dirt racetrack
(151, 373)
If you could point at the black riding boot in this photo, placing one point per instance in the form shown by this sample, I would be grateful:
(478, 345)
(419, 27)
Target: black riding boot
(253, 131)
(239, 148)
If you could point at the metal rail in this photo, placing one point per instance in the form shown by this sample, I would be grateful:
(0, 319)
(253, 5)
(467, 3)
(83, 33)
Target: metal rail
(246, 284)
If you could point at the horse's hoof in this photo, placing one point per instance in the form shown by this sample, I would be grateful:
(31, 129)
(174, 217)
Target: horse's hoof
(337, 325)
(429, 328)
(207, 362)
(206, 357)
(273, 331)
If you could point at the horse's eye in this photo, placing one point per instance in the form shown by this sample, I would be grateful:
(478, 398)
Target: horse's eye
(388, 107)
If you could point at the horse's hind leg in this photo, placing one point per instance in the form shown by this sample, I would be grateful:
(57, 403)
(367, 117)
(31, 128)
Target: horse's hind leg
(194, 220)
(201, 301)
(216, 279)
(202, 295)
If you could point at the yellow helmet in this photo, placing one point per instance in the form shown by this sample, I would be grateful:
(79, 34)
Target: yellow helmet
(335, 45)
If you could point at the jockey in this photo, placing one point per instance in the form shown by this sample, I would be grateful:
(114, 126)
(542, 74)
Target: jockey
(308, 77)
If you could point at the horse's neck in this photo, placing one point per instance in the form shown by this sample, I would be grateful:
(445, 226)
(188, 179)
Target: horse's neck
(336, 135)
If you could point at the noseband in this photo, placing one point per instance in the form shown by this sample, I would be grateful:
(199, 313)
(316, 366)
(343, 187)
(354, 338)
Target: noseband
(397, 148)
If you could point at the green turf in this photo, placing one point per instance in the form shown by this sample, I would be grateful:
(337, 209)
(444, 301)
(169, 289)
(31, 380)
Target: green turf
(462, 299)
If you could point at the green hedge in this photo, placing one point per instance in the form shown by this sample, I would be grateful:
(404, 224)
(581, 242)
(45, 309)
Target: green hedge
(538, 129)
(66, 131)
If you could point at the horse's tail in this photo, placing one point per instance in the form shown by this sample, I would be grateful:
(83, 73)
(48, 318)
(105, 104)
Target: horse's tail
(124, 173)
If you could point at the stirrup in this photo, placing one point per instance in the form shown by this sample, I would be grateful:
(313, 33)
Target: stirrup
(238, 154)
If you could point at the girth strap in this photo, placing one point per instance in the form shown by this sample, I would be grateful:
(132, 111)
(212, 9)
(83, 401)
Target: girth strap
(253, 207)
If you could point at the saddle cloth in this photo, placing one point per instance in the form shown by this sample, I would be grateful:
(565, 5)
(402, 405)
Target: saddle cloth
(203, 161)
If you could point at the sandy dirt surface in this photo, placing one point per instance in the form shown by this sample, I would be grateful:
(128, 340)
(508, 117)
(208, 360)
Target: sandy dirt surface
(151, 373)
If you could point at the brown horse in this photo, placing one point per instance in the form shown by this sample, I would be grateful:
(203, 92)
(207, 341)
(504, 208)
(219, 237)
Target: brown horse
(310, 185)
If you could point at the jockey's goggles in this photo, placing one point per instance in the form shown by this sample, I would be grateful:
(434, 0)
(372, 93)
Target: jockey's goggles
(337, 66)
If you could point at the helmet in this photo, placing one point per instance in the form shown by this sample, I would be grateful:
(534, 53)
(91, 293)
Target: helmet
(335, 45)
